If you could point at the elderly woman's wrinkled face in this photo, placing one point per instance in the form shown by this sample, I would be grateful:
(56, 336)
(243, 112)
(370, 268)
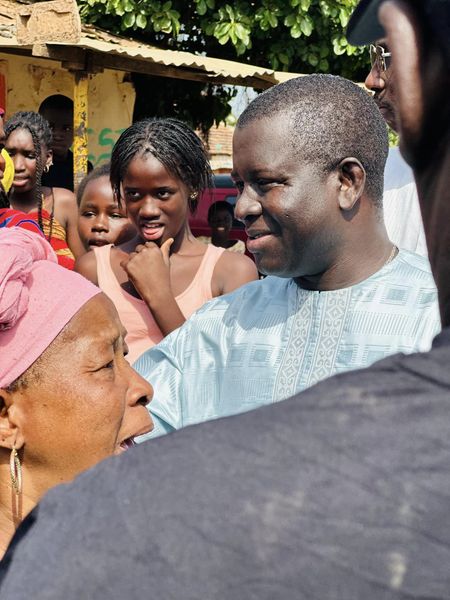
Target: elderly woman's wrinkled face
(83, 402)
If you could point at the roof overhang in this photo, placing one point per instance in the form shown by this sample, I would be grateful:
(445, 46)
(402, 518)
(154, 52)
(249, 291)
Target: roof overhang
(86, 48)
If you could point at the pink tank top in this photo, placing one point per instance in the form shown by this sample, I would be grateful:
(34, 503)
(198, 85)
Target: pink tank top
(143, 331)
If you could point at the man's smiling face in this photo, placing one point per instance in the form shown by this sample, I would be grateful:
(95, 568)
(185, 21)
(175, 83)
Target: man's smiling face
(288, 205)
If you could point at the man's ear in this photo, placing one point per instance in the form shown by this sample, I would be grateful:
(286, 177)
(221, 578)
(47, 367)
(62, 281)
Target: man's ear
(352, 180)
(10, 432)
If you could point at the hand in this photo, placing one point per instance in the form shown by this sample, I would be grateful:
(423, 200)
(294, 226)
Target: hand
(148, 269)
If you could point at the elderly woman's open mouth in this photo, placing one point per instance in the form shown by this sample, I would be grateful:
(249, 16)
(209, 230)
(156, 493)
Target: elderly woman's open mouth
(129, 441)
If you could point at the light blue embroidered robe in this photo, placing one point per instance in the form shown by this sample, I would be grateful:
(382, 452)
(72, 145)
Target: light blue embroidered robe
(270, 339)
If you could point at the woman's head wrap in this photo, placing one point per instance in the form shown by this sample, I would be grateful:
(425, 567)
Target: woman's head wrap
(37, 299)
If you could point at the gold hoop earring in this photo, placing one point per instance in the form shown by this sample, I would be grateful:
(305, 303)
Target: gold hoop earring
(15, 471)
(47, 168)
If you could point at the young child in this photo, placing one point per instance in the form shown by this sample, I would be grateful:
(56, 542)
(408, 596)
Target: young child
(101, 220)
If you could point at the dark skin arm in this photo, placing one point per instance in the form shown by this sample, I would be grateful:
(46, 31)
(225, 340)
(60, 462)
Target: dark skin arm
(86, 265)
(66, 212)
(148, 269)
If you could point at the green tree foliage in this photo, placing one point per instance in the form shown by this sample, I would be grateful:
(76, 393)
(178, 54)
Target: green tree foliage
(193, 102)
(304, 36)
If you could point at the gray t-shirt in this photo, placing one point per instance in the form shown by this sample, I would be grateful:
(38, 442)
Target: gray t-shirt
(342, 492)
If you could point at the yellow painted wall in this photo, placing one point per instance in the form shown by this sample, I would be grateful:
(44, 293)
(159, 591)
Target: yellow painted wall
(111, 100)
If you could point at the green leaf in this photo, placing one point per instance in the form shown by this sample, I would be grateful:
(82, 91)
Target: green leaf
(305, 4)
(290, 20)
(324, 65)
(343, 17)
(240, 31)
(240, 48)
(284, 58)
(128, 20)
(165, 23)
(202, 7)
(166, 6)
(264, 24)
(222, 29)
(229, 10)
(141, 21)
(306, 26)
(272, 20)
(210, 3)
(337, 48)
(296, 31)
(313, 60)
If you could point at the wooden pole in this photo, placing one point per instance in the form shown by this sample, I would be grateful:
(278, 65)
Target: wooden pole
(80, 125)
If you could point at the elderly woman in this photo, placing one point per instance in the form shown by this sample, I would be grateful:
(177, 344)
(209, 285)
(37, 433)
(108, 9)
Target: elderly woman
(68, 397)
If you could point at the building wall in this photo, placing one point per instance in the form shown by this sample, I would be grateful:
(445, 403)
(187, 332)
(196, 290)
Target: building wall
(30, 80)
(220, 146)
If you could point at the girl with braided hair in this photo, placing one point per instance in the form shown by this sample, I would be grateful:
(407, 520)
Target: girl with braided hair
(159, 278)
(28, 141)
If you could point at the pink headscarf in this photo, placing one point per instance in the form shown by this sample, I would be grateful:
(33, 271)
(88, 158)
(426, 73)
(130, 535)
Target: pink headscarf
(37, 299)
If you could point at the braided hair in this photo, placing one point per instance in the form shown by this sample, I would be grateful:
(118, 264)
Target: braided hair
(42, 136)
(174, 144)
(4, 202)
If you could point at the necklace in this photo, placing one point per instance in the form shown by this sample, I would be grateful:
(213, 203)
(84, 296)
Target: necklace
(392, 255)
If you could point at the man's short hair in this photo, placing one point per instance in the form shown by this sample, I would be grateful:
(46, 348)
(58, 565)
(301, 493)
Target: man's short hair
(56, 102)
(331, 119)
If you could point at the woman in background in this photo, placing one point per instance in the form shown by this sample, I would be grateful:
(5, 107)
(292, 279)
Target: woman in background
(28, 140)
(159, 278)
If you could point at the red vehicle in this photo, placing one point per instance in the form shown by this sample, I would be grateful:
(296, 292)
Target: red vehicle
(224, 190)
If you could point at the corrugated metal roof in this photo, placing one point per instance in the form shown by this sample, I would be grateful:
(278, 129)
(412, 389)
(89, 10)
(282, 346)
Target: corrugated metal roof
(91, 38)
(133, 55)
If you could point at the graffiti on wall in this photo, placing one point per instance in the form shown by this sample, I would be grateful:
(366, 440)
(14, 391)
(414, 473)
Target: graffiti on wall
(103, 141)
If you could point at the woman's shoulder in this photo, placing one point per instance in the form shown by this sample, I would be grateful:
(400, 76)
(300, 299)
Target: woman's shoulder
(62, 196)
(87, 264)
(236, 259)
(61, 202)
(234, 269)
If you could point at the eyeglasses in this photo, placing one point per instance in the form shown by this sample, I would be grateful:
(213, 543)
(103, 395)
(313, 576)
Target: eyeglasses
(380, 57)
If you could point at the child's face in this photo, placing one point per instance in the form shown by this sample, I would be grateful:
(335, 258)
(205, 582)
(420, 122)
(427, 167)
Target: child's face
(100, 220)
(61, 124)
